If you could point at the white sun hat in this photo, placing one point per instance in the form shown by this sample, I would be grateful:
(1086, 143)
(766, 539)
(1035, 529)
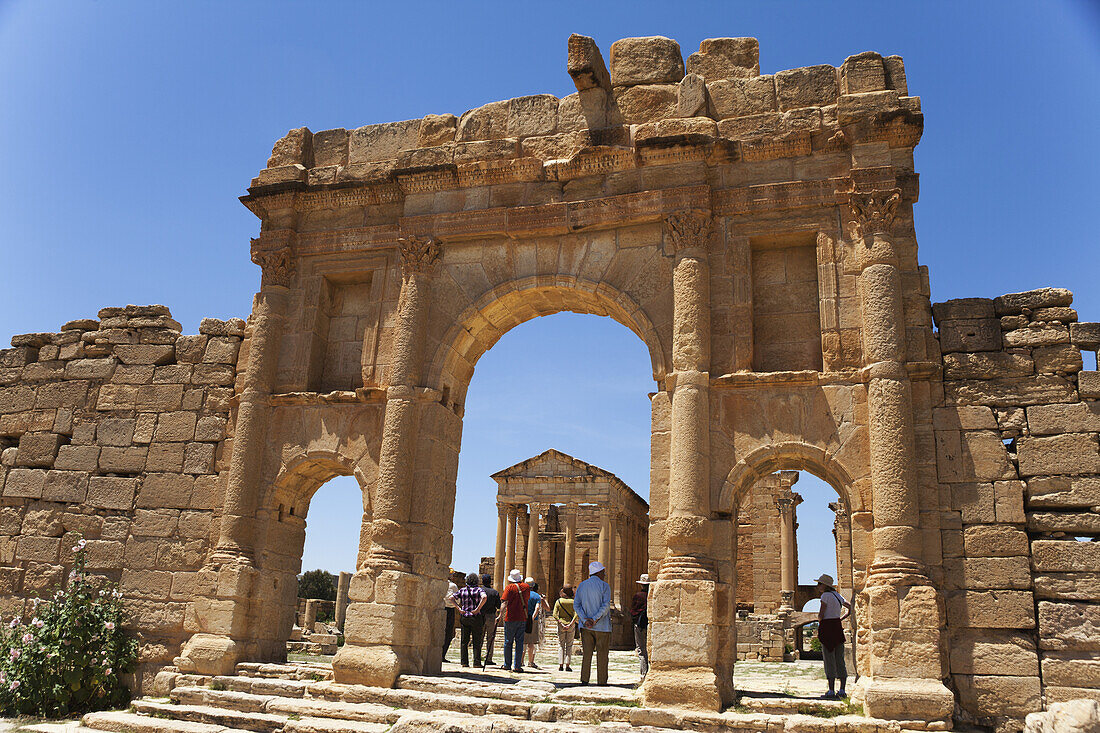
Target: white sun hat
(644, 580)
(515, 576)
(595, 567)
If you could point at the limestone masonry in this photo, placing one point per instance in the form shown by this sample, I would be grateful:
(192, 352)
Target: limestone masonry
(756, 233)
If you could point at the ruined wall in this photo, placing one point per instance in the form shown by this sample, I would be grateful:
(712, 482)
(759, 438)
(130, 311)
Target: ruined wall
(113, 431)
(1018, 451)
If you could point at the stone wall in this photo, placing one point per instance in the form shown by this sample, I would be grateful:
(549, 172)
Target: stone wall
(1019, 465)
(113, 431)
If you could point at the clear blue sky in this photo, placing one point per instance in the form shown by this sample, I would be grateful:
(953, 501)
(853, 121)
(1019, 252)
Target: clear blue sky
(130, 128)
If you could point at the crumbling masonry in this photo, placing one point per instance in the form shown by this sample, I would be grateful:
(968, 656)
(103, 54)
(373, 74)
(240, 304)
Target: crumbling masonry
(755, 231)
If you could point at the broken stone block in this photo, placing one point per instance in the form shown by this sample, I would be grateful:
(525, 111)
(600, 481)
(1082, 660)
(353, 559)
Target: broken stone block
(648, 60)
(330, 147)
(1060, 313)
(1069, 626)
(986, 365)
(1013, 303)
(218, 327)
(294, 148)
(741, 97)
(854, 107)
(38, 450)
(372, 143)
(436, 130)
(691, 97)
(1088, 384)
(488, 122)
(1034, 335)
(283, 174)
(809, 86)
(1070, 492)
(145, 353)
(1085, 336)
(978, 334)
(1070, 454)
(726, 58)
(645, 102)
(895, 74)
(1059, 359)
(585, 64)
(533, 115)
(863, 72)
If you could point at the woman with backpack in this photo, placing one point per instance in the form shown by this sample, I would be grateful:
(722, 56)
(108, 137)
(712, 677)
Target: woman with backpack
(536, 633)
(830, 632)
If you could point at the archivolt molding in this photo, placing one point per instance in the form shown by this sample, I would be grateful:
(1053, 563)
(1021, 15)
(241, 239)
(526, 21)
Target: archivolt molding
(303, 474)
(788, 456)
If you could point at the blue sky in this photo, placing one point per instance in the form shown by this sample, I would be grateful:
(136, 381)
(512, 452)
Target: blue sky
(130, 128)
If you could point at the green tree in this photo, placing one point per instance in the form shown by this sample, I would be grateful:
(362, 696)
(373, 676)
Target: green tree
(319, 584)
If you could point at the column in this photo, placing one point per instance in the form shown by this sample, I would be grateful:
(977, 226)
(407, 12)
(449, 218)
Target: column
(523, 526)
(569, 575)
(342, 586)
(605, 531)
(787, 567)
(498, 557)
(533, 543)
(383, 639)
(509, 545)
(612, 565)
(897, 571)
(215, 650)
(687, 568)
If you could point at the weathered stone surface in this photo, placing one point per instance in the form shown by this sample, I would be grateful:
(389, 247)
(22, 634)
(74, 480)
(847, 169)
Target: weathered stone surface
(994, 540)
(488, 122)
(862, 72)
(1013, 303)
(1085, 336)
(985, 652)
(809, 86)
(1000, 696)
(1046, 334)
(1088, 384)
(295, 148)
(970, 335)
(691, 99)
(1069, 454)
(1061, 359)
(1070, 492)
(986, 365)
(1036, 390)
(534, 115)
(725, 58)
(742, 97)
(645, 102)
(382, 142)
(585, 64)
(1071, 716)
(436, 130)
(1065, 555)
(1082, 586)
(992, 609)
(1069, 626)
(648, 60)
(962, 309)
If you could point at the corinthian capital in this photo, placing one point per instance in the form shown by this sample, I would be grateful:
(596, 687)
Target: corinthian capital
(419, 254)
(873, 212)
(687, 229)
(277, 265)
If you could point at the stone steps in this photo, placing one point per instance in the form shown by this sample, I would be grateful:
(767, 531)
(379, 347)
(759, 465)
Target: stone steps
(125, 722)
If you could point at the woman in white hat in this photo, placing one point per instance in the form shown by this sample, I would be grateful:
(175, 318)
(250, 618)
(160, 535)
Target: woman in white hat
(830, 632)
(639, 615)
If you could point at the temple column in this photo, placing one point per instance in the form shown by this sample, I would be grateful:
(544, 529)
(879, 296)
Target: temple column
(613, 564)
(385, 638)
(509, 545)
(498, 557)
(788, 571)
(605, 531)
(569, 576)
(523, 525)
(687, 570)
(533, 543)
(223, 621)
(342, 587)
(898, 572)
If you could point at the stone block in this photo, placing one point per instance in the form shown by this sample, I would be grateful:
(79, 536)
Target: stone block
(1071, 669)
(969, 417)
(908, 652)
(994, 540)
(26, 483)
(436, 130)
(1067, 586)
(973, 455)
(648, 60)
(296, 147)
(17, 398)
(38, 549)
(1070, 454)
(488, 122)
(155, 523)
(1072, 523)
(645, 102)
(111, 492)
(863, 72)
(330, 147)
(38, 450)
(218, 327)
(372, 143)
(1035, 335)
(221, 375)
(1034, 390)
(1013, 303)
(691, 97)
(809, 86)
(533, 115)
(122, 460)
(741, 97)
(1060, 313)
(199, 458)
(1065, 555)
(18, 356)
(221, 350)
(1008, 498)
(116, 432)
(1085, 336)
(852, 108)
(1070, 492)
(978, 334)
(65, 486)
(1069, 626)
(145, 353)
(962, 309)
(991, 609)
(585, 64)
(999, 696)
(726, 58)
(982, 573)
(989, 651)
(987, 365)
(1088, 384)
(1075, 417)
(682, 644)
(175, 426)
(172, 490)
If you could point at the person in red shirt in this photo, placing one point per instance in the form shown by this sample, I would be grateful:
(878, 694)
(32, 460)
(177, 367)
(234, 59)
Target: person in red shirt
(513, 611)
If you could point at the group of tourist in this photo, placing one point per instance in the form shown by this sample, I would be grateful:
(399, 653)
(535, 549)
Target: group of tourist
(522, 611)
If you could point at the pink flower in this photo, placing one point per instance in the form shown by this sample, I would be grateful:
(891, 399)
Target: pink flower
(15, 653)
(107, 671)
(28, 638)
(79, 545)
(38, 623)
(14, 685)
(14, 623)
(110, 625)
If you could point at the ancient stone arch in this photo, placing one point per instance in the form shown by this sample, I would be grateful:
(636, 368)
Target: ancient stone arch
(755, 231)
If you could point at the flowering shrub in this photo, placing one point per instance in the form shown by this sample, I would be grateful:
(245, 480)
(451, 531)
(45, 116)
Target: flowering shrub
(67, 657)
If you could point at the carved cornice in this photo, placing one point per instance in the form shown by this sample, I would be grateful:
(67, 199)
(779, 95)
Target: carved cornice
(419, 254)
(786, 503)
(687, 230)
(276, 263)
(873, 212)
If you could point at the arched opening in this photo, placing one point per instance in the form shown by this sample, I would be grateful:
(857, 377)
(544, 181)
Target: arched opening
(562, 400)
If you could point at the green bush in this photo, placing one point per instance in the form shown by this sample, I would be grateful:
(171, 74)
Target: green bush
(68, 657)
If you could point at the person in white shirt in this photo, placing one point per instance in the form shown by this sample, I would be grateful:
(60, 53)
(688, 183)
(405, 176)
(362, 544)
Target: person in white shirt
(830, 632)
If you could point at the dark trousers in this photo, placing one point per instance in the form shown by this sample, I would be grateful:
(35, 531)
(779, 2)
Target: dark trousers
(473, 629)
(513, 643)
(599, 642)
(448, 630)
(490, 637)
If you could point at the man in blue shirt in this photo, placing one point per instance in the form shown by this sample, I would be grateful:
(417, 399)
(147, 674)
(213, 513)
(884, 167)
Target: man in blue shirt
(592, 604)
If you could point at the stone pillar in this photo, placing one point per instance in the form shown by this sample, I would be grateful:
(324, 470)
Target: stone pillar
(523, 525)
(533, 543)
(569, 576)
(899, 607)
(342, 587)
(605, 532)
(498, 558)
(509, 546)
(685, 668)
(224, 621)
(392, 609)
(612, 560)
(788, 567)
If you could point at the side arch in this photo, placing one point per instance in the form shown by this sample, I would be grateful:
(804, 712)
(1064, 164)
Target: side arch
(476, 329)
(303, 474)
(788, 456)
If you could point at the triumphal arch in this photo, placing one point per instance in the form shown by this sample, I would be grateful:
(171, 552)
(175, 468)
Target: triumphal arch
(754, 230)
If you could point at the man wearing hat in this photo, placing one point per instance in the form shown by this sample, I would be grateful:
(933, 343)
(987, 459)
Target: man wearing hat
(639, 615)
(830, 632)
(592, 605)
(513, 609)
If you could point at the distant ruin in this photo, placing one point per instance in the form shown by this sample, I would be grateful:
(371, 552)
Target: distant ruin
(755, 231)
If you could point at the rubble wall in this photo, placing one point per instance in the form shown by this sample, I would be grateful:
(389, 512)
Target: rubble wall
(113, 431)
(1017, 440)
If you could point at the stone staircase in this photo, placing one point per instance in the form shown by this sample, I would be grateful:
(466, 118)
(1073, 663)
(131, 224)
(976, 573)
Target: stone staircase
(303, 698)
